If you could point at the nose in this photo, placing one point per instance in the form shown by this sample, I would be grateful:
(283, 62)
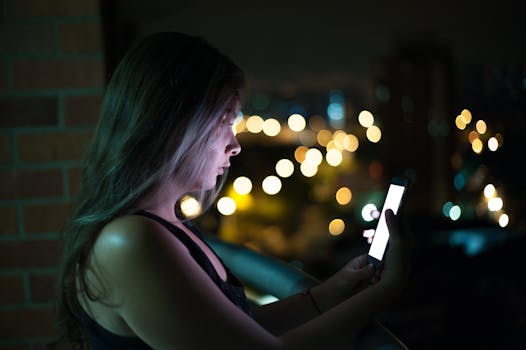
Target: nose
(233, 148)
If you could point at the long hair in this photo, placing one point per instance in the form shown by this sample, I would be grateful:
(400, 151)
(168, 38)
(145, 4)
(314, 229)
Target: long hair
(158, 116)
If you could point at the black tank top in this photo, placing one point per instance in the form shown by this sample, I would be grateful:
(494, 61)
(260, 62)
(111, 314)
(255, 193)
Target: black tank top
(102, 339)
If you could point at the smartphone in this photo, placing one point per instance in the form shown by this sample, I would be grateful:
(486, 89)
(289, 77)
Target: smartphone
(393, 200)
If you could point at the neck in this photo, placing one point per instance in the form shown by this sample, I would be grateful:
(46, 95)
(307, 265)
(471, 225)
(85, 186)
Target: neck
(161, 203)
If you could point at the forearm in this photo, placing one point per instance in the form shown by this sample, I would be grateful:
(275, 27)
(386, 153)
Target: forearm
(341, 324)
(286, 314)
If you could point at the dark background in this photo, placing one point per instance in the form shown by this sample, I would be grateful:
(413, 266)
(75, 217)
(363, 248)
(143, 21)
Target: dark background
(446, 56)
(443, 55)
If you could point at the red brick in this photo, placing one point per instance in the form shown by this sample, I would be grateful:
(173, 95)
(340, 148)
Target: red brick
(62, 74)
(81, 37)
(29, 254)
(27, 323)
(82, 110)
(45, 218)
(12, 289)
(28, 111)
(26, 37)
(75, 178)
(52, 8)
(30, 184)
(6, 152)
(53, 146)
(42, 287)
(9, 220)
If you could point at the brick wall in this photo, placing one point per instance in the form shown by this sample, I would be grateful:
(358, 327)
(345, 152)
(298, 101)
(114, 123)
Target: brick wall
(51, 82)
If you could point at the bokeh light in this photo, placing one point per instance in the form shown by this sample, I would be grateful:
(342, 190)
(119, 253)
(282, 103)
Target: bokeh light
(296, 122)
(226, 206)
(284, 168)
(190, 207)
(374, 134)
(336, 227)
(254, 124)
(271, 127)
(466, 116)
(334, 157)
(455, 212)
(495, 204)
(271, 185)
(242, 185)
(343, 196)
(368, 210)
(365, 118)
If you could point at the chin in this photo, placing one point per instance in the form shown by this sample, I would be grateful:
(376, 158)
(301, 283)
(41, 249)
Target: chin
(205, 186)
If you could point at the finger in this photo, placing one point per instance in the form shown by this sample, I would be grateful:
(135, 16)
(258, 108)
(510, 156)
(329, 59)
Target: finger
(365, 272)
(368, 233)
(359, 262)
(392, 222)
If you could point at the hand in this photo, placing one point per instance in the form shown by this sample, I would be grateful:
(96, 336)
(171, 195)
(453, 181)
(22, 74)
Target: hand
(355, 276)
(395, 271)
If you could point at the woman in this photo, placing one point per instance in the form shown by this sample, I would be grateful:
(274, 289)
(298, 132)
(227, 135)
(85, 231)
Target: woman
(136, 275)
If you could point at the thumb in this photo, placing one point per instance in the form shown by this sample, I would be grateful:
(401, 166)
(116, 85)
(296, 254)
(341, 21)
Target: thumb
(365, 272)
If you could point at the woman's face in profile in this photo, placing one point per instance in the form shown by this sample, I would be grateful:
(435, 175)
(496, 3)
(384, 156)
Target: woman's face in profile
(224, 145)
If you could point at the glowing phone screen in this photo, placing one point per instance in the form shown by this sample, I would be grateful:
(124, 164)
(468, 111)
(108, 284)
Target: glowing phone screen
(381, 235)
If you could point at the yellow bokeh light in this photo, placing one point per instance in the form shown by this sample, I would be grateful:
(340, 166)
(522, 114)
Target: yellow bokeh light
(296, 122)
(299, 153)
(240, 125)
(477, 145)
(308, 169)
(374, 134)
(504, 220)
(271, 185)
(226, 206)
(271, 127)
(351, 143)
(254, 124)
(466, 116)
(334, 157)
(459, 122)
(331, 145)
(343, 196)
(324, 137)
(489, 191)
(242, 185)
(314, 156)
(366, 119)
(190, 207)
(284, 168)
(495, 204)
(472, 136)
(493, 144)
(336, 227)
(339, 139)
(481, 127)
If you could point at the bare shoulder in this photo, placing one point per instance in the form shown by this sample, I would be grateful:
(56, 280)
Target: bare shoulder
(130, 240)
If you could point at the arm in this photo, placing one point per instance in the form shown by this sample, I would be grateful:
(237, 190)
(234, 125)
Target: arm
(291, 285)
(168, 301)
(290, 312)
